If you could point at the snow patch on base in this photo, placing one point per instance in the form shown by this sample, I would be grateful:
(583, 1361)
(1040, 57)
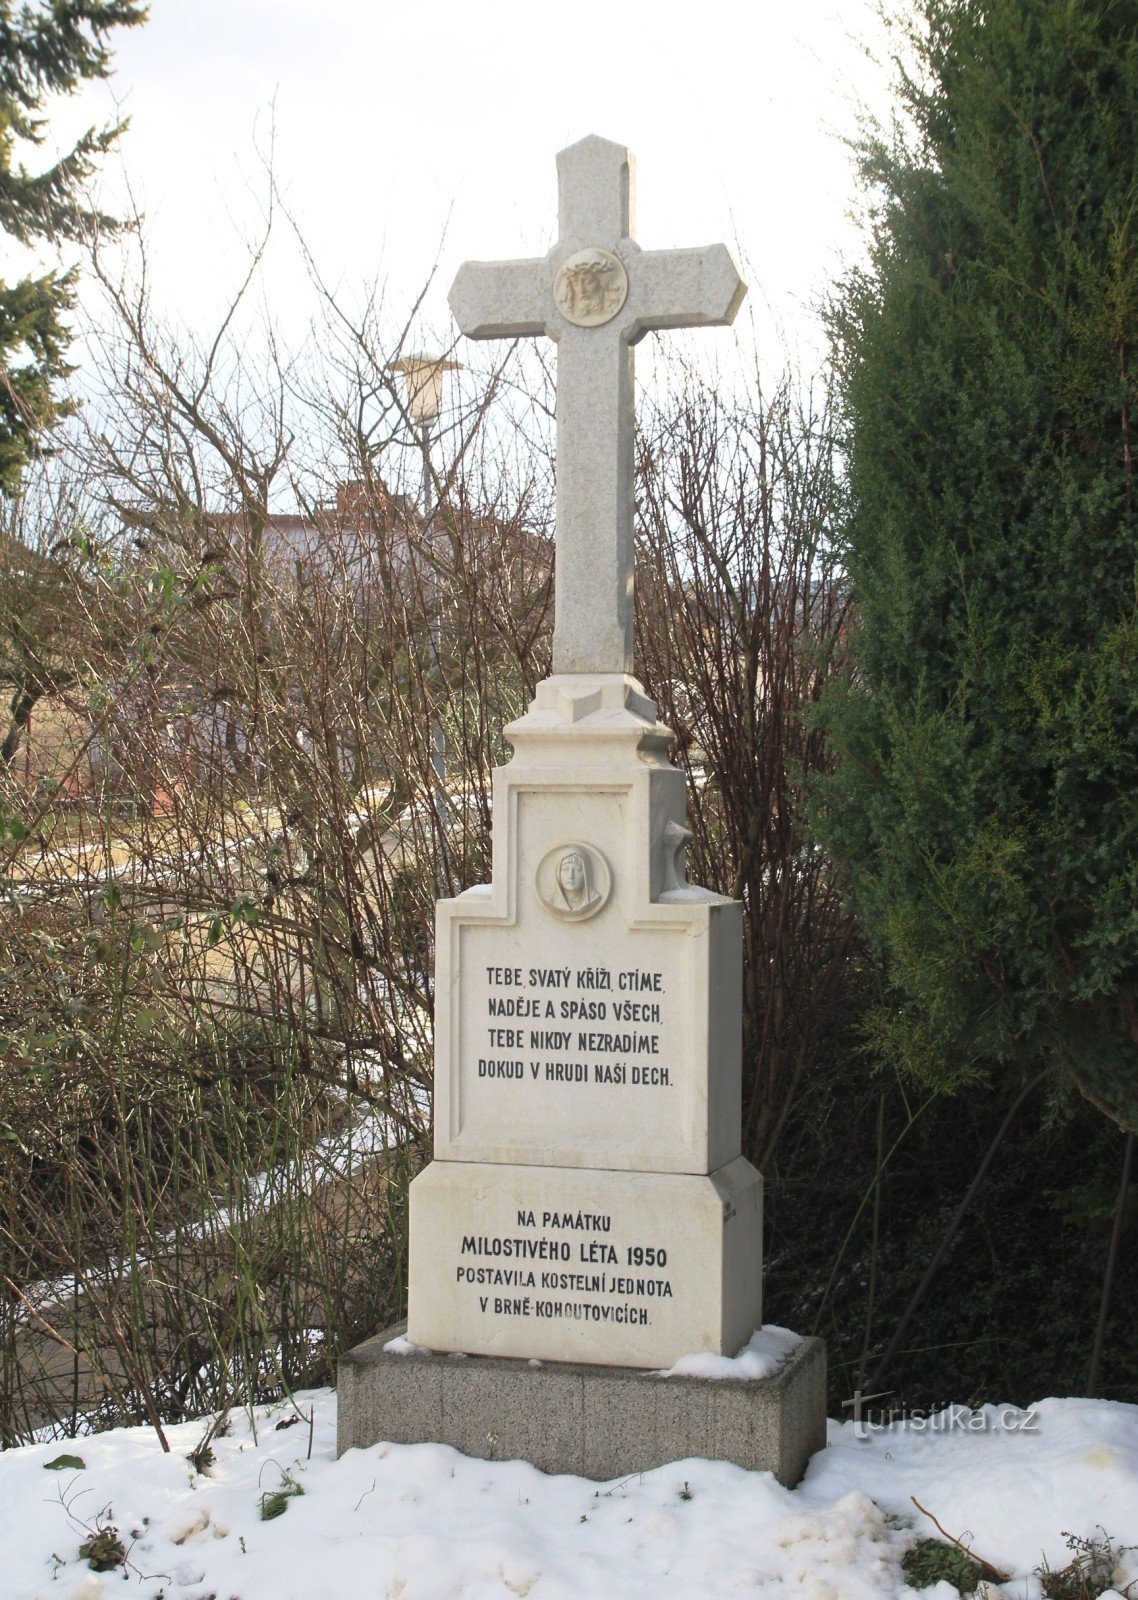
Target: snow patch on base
(402, 1346)
(761, 1357)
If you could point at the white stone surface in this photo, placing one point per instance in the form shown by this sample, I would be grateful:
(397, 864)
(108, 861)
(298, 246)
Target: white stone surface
(603, 1032)
(575, 296)
(588, 1200)
(625, 1269)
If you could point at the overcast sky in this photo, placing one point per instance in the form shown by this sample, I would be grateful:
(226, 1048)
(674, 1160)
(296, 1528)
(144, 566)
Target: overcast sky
(403, 130)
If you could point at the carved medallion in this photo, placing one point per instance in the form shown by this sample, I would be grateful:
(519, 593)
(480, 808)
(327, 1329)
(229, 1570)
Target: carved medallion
(590, 287)
(573, 882)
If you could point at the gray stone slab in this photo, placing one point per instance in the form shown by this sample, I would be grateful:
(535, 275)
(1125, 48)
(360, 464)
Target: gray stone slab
(486, 1414)
(595, 1421)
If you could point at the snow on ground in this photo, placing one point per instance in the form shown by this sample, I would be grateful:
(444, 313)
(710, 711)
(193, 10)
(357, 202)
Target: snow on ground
(421, 1522)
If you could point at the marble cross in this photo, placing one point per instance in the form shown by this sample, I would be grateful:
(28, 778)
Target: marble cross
(596, 293)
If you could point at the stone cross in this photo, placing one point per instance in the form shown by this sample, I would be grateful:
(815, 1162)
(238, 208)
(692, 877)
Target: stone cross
(597, 293)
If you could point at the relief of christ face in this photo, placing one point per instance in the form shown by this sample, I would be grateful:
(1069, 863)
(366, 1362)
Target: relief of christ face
(590, 287)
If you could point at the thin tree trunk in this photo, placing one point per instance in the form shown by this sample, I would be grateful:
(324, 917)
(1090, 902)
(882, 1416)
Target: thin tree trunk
(19, 715)
(1111, 1263)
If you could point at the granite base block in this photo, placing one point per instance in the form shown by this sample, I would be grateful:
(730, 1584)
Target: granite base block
(595, 1421)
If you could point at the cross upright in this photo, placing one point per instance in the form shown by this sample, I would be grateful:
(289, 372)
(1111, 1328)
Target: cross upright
(597, 293)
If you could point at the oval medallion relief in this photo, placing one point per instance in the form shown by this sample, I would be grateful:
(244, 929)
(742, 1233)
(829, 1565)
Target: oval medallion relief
(590, 287)
(573, 882)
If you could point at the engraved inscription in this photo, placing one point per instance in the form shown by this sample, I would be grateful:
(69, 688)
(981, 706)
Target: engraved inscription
(588, 1026)
(573, 882)
(609, 1279)
(590, 287)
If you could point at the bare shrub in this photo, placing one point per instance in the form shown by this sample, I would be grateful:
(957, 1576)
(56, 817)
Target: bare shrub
(741, 613)
(215, 1082)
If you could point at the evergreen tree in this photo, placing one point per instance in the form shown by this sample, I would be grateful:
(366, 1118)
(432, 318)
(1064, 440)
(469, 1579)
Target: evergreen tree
(44, 50)
(985, 807)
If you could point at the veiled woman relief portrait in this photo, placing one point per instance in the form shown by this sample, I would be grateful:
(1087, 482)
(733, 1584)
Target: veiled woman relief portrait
(574, 881)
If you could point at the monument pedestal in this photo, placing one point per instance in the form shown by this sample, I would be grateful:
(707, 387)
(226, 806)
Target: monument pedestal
(598, 1422)
(632, 1268)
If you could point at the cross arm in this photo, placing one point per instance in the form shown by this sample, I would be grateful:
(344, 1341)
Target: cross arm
(500, 299)
(686, 289)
